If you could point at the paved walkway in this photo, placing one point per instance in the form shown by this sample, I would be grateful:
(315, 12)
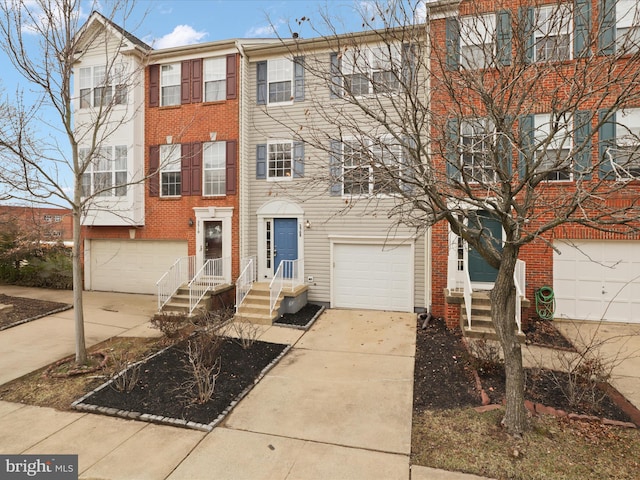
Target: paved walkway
(338, 406)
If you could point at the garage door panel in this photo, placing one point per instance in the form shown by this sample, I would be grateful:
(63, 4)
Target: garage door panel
(372, 277)
(131, 266)
(598, 280)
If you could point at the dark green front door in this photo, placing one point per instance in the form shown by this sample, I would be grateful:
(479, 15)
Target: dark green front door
(479, 269)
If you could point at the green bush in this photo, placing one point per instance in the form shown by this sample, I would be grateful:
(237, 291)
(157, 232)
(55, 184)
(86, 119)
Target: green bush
(46, 266)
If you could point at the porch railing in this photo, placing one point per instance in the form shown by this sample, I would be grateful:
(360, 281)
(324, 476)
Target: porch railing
(178, 274)
(468, 295)
(210, 276)
(247, 277)
(519, 276)
(289, 275)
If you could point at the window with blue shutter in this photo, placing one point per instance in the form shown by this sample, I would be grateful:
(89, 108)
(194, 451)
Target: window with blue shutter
(298, 75)
(335, 88)
(335, 167)
(298, 159)
(452, 150)
(527, 145)
(582, 26)
(261, 161)
(452, 34)
(503, 37)
(582, 144)
(607, 32)
(607, 142)
(261, 83)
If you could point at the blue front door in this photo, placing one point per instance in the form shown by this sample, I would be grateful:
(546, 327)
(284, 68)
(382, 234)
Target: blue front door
(285, 242)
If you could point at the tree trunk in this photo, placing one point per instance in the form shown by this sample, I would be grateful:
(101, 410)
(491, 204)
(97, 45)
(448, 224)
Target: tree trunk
(503, 304)
(78, 311)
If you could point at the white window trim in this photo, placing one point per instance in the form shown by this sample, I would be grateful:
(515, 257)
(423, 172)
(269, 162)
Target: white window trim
(350, 65)
(562, 142)
(371, 189)
(286, 178)
(91, 171)
(553, 28)
(170, 157)
(627, 17)
(222, 77)
(223, 168)
(86, 81)
(178, 66)
(487, 128)
(627, 137)
(270, 80)
(478, 31)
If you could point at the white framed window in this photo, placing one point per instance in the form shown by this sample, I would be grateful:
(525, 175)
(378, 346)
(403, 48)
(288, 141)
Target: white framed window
(280, 160)
(101, 87)
(627, 144)
(476, 141)
(371, 168)
(170, 84)
(215, 79)
(106, 175)
(279, 80)
(214, 168)
(170, 170)
(552, 35)
(553, 134)
(627, 25)
(48, 218)
(477, 41)
(370, 70)
(57, 218)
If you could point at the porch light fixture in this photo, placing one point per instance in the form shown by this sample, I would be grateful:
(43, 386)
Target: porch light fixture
(213, 136)
(191, 222)
(307, 224)
(169, 139)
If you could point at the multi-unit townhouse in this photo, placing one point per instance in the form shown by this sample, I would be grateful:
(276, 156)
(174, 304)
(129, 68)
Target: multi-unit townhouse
(593, 273)
(47, 224)
(176, 157)
(245, 165)
(312, 211)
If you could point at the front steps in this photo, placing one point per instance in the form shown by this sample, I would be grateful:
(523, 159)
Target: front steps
(481, 325)
(179, 302)
(255, 306)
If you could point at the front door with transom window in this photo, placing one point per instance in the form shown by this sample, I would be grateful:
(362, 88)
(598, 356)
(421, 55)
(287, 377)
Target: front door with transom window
(479, 270)
(285, 242)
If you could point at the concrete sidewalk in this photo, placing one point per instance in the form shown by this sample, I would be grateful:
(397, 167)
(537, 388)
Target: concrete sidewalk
(339, 405)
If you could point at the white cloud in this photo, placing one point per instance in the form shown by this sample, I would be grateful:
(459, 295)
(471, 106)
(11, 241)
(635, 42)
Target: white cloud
(263, 31)
(420, 13)
(181, 35)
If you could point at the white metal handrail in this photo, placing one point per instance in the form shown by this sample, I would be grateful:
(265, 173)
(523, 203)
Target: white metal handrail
(246, 279)
(178, 274)
(519, 278)
(207, 278)
(468, 292)
(288, 275)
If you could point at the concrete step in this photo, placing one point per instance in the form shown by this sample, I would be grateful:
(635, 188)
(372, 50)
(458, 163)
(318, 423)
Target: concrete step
(257, 318)
(486, 333)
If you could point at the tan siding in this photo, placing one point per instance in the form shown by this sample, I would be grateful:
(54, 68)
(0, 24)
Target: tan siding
(327, 215)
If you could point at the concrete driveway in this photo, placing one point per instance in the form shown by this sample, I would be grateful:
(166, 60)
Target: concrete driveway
(339, 405)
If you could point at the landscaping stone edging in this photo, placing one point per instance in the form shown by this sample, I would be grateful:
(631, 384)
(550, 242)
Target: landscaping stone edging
(31, 319)
(175, 422)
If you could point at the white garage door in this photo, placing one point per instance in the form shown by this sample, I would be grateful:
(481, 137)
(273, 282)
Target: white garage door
(131, 266)
(595, 280)
(373, 277)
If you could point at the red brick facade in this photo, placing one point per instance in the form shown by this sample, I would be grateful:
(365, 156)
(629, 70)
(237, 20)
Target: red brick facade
(169, 218)
(538, 255)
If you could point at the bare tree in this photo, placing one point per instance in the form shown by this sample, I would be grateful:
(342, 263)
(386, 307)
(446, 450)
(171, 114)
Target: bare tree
(474, 115)
(47, 153)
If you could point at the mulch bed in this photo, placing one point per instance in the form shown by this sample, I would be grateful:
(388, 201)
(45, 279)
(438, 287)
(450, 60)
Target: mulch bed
(444, 379)
(27, 309)
(160, 389)
(543, 333)
(302, 319)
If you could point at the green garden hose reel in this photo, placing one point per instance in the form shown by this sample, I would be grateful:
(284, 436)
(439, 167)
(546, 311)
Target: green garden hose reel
(545, 303)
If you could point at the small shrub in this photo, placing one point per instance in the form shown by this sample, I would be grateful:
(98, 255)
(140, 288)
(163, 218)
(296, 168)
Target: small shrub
(126, 372)
(203, 365)
(244, 333)
(486, 356)
(585, 373)
(173, 325)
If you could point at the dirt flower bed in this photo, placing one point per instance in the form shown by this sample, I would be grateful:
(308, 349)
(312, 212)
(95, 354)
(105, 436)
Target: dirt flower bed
(26, 309)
